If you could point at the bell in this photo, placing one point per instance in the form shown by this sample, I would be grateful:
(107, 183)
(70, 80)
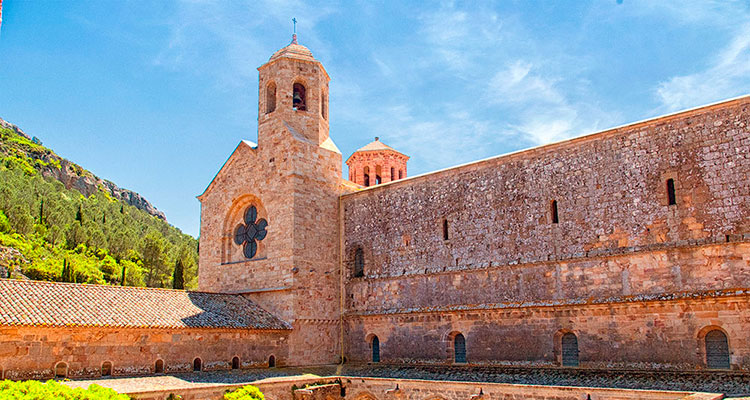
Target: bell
(297, 99)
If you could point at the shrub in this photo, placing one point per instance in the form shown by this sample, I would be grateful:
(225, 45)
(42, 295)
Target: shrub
(248, 392)
(33, 390)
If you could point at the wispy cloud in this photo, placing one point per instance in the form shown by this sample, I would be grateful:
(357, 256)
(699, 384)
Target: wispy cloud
(728, 76)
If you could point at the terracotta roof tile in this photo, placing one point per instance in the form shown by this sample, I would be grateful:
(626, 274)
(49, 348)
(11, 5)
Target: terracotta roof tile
(70, 304)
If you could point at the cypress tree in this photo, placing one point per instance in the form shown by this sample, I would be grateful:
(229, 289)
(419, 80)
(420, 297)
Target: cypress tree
(41, 212)
(178, 279)
(79, 215)
(122, 281)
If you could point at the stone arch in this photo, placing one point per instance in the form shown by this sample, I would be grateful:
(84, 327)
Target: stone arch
(558, 346)
(61, 370)
(235, 362)
(230, 251)
(106, 369)
(197, 364)
(449, 338)
(299, 95)
(272, 361)
(714, 347)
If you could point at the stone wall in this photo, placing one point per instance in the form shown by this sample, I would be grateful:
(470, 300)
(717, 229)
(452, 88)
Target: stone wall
(610, 190)
(34, 352)
(635, 333)
(509, 277)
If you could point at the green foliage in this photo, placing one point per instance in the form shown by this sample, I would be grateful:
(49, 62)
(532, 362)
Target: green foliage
(35, 390)
(248, 392)
(68, 237)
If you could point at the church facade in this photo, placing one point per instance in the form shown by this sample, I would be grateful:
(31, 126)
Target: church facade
(627, 248)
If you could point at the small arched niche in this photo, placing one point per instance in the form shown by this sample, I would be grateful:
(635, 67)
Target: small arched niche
(299, 97)
(272, 362)
(61, 370)
(197, 364)
(159, 367)
(106, 368)
(235, 362)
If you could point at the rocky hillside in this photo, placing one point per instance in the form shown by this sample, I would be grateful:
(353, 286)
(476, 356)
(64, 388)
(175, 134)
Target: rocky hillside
(71, 174)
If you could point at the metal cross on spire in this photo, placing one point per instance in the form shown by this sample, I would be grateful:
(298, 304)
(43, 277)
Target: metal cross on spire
(294, 36)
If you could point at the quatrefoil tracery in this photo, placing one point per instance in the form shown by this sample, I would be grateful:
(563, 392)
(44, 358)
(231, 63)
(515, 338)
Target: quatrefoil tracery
(251, 232)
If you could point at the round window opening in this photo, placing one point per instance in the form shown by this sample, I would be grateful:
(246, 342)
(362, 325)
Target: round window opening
(249, 233)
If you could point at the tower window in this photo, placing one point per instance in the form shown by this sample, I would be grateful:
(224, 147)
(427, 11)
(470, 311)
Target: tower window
(270, 98)
(553, 212)
(445, 229)
(671, 199)
(393, 174)
(359, 263)
(323, 105)
(367, 176)
(378, 175)
(298, 97)
(400, 174)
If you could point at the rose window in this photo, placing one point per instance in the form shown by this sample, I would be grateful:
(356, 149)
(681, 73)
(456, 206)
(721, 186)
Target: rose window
(251, 232)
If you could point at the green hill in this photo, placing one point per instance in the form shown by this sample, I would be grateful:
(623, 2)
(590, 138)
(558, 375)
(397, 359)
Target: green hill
(59, 222)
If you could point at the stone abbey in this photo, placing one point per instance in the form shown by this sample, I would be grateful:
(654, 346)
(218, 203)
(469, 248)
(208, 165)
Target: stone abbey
(627, 248)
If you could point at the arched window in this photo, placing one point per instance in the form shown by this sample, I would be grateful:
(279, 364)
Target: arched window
(359, 263)
(197, 365)
(717, 350)
(378, 175)
(270, 98)
(271, 362)
(459, 348)
(671, 198)
(235, 363)
(569, 350)
(400, 174)
(61, 370)
(367, 176)
(159, 367)
(107, 368)
(299, 102)
(375, 349)
(393, 174)
(324, 105)
(553, 212)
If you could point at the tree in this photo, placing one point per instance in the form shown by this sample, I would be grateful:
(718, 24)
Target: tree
(154, 258)
(178, 278)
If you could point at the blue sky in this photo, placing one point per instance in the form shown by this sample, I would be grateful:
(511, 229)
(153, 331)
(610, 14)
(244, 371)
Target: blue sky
(155, 95)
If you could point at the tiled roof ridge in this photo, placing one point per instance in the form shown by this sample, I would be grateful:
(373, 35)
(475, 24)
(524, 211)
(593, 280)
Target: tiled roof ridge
(116, 287)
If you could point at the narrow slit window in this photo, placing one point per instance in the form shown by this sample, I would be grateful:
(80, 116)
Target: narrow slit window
(445, 229)
(553, 212)
(270, 98)
(375, 349)
(393, 174)
(400, 174)
(359, 263)
(671, 198)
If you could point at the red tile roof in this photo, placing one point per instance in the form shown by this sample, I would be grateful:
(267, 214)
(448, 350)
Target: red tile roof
(69, 304)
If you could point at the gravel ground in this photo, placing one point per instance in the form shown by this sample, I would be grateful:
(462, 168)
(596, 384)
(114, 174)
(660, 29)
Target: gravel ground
(733, 384)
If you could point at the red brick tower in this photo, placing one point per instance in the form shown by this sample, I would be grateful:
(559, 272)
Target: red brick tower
(376, 163)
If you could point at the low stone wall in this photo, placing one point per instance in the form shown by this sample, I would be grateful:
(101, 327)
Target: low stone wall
(358, 388)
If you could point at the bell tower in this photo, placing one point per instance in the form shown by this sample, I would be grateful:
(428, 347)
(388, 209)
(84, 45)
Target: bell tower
(294, 88)
(269, 219)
